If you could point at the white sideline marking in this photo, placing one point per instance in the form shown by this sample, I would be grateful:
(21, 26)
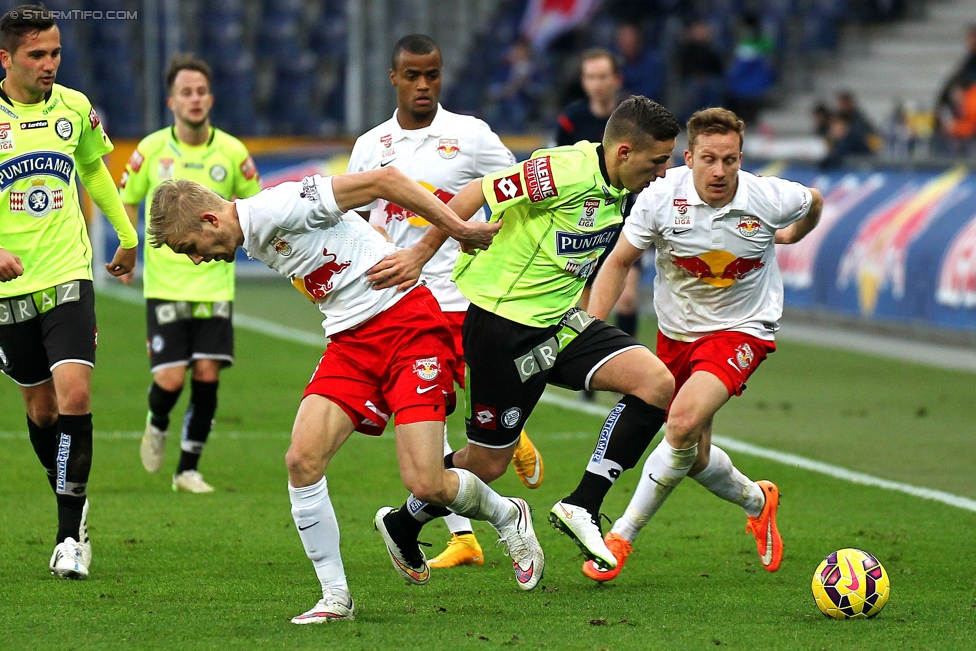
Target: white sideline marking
(270, 328)
(793, 460)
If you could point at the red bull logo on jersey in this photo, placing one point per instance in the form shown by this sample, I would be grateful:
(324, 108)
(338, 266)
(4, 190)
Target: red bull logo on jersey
(538, 179)
(318, 284)
(399, 213)
(717, 268)
(588, 216)
(877, 256)
(749, 225)
(448, 148)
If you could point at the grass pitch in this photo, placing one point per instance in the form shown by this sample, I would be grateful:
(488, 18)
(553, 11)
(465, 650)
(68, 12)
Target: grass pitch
(227, 570)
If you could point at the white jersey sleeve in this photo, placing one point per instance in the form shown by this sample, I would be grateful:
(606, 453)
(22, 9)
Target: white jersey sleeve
(788, 201)
(297, 229)
(361, 160)
(640, 228)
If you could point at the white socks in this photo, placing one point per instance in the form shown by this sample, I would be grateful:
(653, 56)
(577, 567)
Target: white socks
(723, 479)
(454, 521)
(476, 500)
(664, 469)
(317, 527)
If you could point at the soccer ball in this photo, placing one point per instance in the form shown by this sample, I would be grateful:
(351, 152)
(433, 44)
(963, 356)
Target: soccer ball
(850, 584)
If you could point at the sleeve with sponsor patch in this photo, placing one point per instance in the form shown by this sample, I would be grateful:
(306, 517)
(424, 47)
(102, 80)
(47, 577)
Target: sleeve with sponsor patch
(306, 205)
(94, 142)
(135, 180)
(793, 199)
(640, 228)
(531, 181)
(247, 181)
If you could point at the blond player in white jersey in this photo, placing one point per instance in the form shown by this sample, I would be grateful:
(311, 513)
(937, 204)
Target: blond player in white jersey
(718, 296)
(390, 352)
(443, 151)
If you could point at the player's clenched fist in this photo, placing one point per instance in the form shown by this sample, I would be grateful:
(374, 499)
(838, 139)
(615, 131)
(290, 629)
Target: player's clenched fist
(10, 266)
(477, 235)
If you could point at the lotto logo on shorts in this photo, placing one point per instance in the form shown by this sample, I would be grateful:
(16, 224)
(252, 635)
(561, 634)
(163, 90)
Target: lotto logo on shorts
(538, 179)
(507, 188)
(485, 417)
(427, 368)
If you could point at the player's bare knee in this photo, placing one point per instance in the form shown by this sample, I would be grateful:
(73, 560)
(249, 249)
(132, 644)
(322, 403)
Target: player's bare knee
(428, 489)
(302, 467)
(74, 400)
(683, 430)
(654, 384)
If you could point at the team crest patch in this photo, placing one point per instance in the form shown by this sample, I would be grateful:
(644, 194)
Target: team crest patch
(511, 417)
(508, 187)
(38, 201)
(62, 127)
(749, 225)
(588, 216)
(218, 173)
(427, 369)
(744, 356)
(281, 247)
(165, 169)
(6, 137)
(448, 148)
(538, 179)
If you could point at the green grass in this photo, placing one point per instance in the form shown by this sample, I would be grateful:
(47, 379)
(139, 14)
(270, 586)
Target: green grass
(227, 570)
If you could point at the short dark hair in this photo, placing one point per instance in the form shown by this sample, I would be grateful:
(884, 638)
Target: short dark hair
(184, 61)
(21, 22)
(638, 120)
(714, 121)
(600, 53)
(414, 44)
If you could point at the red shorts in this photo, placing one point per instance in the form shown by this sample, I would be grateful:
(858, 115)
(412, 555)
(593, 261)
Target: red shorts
(456, 319)
(730, 356)
(400, 362)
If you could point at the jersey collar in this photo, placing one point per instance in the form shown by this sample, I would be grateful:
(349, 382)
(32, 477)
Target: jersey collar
(177, 141)
(3, 96)
(603, 168)
(434, 130)
(739, 200)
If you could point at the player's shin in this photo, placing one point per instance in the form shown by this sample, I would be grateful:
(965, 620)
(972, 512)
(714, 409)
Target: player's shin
(629, 429)
(664, 469)
(161, 402)
(198, 423)
(477, 501)
(72, 466)
(317, 527)
(457, 524)
(45, 443)
(724, 480)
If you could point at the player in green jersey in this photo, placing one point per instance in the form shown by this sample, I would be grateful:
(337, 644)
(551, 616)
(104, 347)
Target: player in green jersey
(523, 330)
(188, 307)
(47, 301)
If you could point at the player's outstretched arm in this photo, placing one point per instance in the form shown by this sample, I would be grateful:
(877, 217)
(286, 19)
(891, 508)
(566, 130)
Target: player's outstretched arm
(402, 269)
(10, 266)
(133, 212)
(360, 188)
(609, 283)
(799, 229)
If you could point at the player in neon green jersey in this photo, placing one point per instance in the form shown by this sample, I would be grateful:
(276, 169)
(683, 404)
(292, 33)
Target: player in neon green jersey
(523, 330)
(188, 307)
(47, 301)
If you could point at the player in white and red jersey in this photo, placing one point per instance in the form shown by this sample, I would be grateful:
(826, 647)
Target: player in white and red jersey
(443, 151)
(390, 352)
(719, 297)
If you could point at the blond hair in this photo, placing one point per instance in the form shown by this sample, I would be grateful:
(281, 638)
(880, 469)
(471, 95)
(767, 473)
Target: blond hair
(714, 121)
(176, 210)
